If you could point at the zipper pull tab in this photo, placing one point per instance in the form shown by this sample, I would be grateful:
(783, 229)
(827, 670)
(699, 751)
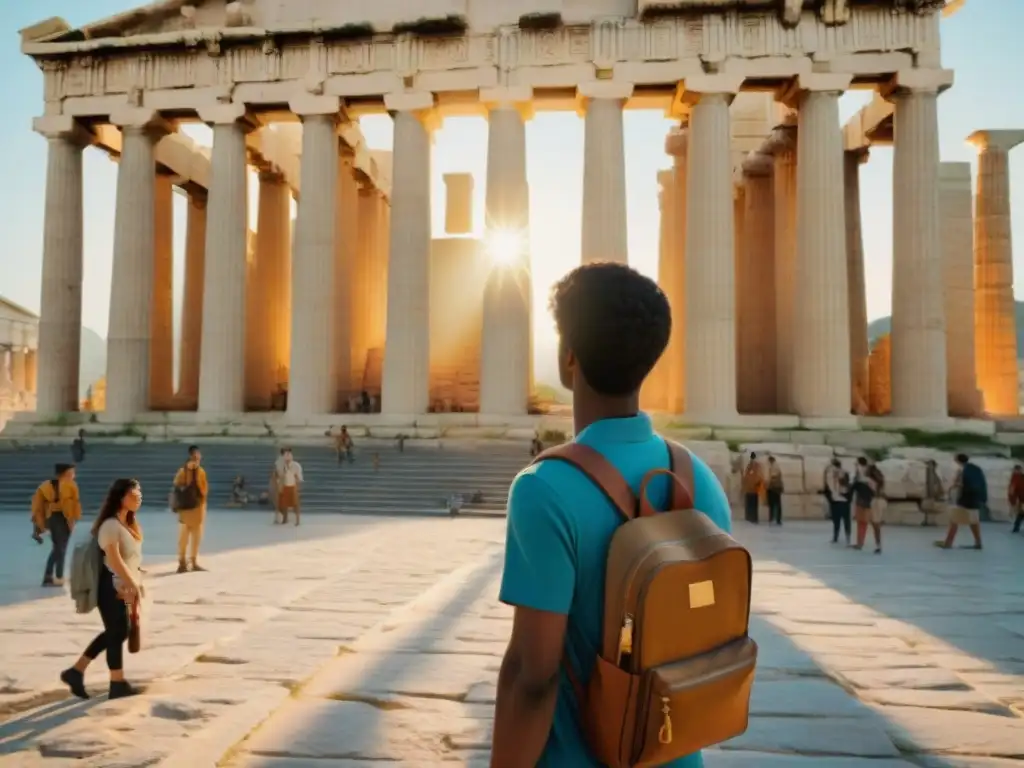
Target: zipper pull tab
(626, 638)
(665, 732)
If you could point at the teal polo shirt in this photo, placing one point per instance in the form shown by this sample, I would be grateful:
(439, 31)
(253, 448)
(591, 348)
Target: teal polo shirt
(559, 528)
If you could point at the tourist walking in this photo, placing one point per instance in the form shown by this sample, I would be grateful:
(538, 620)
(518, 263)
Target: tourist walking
(773, 494)
(934, 491)
(753, 487)
(189, 501)
(869, 503)
(840, 493)
(1015, 494)
(119, 535)
(614, 325)
(970, 493)
(78, 448)
(56, 507)
(288, 481)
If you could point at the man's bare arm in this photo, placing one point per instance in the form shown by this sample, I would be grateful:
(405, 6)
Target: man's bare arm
(528, 688)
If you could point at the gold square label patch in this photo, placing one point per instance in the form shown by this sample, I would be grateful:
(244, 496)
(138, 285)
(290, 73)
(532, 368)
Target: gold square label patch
(702, 594)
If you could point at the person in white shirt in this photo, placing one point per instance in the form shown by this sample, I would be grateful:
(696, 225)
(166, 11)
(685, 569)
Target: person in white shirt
(288, 476)
(119, 536)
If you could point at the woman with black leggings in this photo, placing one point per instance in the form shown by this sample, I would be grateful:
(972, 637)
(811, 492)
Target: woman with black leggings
(120, 537)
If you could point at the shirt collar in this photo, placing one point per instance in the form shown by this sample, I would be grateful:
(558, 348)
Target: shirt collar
(627, 429)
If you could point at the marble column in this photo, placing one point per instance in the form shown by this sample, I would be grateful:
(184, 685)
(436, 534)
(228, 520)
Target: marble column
(855, 281)
(19, 378)
(406, 379)
(222, 356)
(604, 173)
(129, 327)
(362, 281)
(505, 342)
(957, 236)
(161, 346)
(821, 348)
(654, 395)
(269, 284)
(755, 312)
(918, 324)
(60, 316)
(192, 300)
(346, 249)
(31, 370)
(710, 256)
(676, 147)
(379, 274)
(458, 209)
(994, 311)
(783, 149)
(312, 387)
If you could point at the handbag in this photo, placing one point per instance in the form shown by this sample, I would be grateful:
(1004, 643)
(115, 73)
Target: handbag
(134, 628)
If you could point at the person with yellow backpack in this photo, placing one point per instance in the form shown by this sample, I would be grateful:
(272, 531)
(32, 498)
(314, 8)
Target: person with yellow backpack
(629, 642)
(56, 507)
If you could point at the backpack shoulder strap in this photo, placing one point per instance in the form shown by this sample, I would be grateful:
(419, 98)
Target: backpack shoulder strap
(681, 464)
(600, 472)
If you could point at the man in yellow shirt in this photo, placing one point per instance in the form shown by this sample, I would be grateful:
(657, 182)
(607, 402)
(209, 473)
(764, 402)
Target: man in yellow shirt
(56, 506)
(189, 501)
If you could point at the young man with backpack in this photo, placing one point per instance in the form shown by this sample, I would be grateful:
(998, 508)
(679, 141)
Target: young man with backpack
(188, 499)
(971, 494)
(580, 684)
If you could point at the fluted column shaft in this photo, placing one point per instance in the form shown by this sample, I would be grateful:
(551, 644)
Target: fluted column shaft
(192, 300)
(363, 281)
(855, 276)
(19, 379)
(918, 324)
(60, 316)
(128, 340)
(995, 322)
(161, 348)
(710, 264)
(677, 146)
(379, 275)
(346, 253)
(505, 342)
(270, 278)
(222, 369)
(31, 371)
(654, 395)
(957, 236)
(784, 175)
(604, 177)
(755, 314)
(407, 352)
(313, 379)
(821, 350)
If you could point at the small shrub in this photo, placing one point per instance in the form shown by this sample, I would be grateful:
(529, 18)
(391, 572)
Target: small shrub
(553, 437)
(357, 31)
(540, 21)
(449, 25)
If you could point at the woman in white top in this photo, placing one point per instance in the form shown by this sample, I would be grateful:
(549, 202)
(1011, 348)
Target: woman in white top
(120, 586)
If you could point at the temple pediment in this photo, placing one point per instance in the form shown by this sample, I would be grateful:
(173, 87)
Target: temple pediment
(387, 16)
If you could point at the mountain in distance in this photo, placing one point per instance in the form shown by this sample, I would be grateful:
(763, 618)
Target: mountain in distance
(883, 325)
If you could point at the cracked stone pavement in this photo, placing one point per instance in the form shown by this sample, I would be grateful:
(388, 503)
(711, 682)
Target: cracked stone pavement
(380, 640)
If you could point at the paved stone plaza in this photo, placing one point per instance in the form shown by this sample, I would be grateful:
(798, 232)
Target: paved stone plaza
(357, 641)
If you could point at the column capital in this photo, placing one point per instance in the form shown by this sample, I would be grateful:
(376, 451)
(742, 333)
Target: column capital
(604, 89)
(140, 119)
(197, 196)
(835, 83)
(676, 142)
(691, 90)
(517, 97)
(63, 127)
(758, 164)
(917, 81)
(409, 101)
(781, 139)
(996, 141)
(227, 114)
(269, 174)
(862, 154)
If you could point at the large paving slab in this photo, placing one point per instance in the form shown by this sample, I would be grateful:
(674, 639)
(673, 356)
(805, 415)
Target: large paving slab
(380, 642)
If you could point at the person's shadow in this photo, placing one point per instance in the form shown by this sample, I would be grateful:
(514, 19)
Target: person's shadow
(20, 731)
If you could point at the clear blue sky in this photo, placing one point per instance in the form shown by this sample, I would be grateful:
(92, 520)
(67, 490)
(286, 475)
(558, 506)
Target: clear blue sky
(979, 43)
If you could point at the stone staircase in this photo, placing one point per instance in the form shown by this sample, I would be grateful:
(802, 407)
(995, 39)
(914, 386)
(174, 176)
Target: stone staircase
(416, 481)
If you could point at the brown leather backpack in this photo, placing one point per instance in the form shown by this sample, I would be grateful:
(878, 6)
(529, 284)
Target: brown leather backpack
(676, 665)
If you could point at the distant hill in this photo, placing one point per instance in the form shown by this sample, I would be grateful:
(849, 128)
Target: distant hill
(883, 325)
(94, 360)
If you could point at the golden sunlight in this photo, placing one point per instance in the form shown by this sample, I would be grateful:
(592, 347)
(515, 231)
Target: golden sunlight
(505, 247)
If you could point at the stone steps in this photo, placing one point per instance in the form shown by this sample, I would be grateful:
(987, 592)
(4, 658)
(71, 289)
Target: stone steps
(416, 481)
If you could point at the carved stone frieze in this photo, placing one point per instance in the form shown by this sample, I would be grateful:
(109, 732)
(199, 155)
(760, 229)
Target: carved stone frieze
(207, 60)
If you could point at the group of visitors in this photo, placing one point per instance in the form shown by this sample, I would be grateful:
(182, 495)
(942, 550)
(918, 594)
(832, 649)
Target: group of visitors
(756, 487)
(865, 493)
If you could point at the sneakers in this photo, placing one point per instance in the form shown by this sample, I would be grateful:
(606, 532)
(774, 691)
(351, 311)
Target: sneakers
(196, 566)
(49, 581)
(75, 680)
(121, 689)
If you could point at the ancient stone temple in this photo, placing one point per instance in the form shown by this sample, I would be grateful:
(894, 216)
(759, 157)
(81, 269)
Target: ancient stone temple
(761, 244)
(19, 333)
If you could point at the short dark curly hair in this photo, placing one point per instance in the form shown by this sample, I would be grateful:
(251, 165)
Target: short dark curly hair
(615, 321)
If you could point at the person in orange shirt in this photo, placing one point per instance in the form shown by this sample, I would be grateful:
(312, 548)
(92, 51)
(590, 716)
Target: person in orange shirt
(191, 490)
(753, 487)
(56, 507)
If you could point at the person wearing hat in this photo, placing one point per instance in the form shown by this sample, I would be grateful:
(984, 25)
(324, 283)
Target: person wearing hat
(56, 507)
